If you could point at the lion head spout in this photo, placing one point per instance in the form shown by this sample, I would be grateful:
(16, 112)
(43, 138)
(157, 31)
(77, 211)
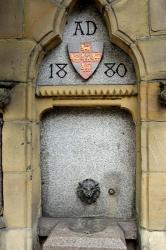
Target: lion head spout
(88, 191)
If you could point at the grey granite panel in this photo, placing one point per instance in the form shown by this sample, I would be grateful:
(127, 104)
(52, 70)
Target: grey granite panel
(112, 54)
(88, 143)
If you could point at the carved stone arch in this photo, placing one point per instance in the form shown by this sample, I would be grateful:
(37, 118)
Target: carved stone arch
(54, 37)
(48, 98)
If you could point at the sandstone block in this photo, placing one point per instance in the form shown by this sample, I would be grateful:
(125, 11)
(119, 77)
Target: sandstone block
(153, 240)
(153, 148)
(34, 161)
(157, 15)
(144, 212)
(16, 239)
(11, 18)
(14, 59)
(154, 55)
(39, 18)
(15, 138)
(15, 200)
(153, 195)
(144, 146)
(157, 145)
(129, 19)
(157, 201)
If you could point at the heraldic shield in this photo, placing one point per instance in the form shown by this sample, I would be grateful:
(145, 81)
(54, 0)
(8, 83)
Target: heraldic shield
(85, 57)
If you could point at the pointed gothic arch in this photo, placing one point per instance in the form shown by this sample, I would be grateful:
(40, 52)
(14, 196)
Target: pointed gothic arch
(54, 37)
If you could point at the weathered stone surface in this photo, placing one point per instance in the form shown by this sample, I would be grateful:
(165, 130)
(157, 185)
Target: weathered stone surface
(14, 141)
(35, 175)
(15, 200)
(39, 18)
(153, 149)
(129, 228)
(16, 239)
(157, 15)
(144, 211)
(14, 59)
(16, 110)
(46, 225)
(157, 201)
(2, 222)
(153, 201)
(61, 237)
(4, 97)
(144, 146)
(88, 143)
(11, 18)
(153, 52)
(1, 173)
(129, 19)
(152, 240)
(150, 107)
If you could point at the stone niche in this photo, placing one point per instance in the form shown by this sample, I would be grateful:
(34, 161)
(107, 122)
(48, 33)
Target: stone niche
(80, 142)
(96, 143)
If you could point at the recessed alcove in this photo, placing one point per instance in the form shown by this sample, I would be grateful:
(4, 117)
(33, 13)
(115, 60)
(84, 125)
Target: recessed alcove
(40, 181)
(87, 136)
(96, 143)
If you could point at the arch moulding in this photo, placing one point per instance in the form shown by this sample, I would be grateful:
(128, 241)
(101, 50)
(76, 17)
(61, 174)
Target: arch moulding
(53, 38)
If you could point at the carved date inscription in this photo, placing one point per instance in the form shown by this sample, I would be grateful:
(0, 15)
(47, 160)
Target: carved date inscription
(60, 70)
(113, 68)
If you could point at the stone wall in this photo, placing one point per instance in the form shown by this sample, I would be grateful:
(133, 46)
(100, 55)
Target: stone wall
(1, 178)
(29, 29)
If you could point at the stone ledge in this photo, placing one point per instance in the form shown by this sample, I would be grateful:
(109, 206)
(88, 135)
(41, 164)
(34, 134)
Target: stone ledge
(61, 237)
(46, 224)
